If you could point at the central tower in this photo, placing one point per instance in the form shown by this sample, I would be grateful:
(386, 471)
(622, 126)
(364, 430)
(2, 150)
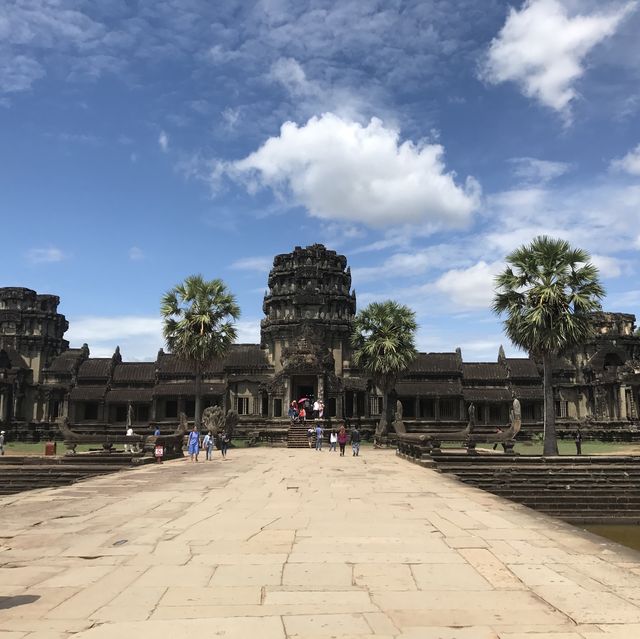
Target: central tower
(309, 310)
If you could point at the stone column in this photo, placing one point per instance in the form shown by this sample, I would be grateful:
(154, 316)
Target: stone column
(287, 395)
(320, 393)
(417, 407)
(436, 409)
(622, 395)
(2, 406)
(181, 406)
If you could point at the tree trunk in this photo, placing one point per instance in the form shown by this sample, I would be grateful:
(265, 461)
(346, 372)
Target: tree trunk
(550, 446)
(198, 411)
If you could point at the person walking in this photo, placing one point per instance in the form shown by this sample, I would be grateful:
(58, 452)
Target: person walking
(333, 440)
(207, 444)
(1, 442)
(319, 436)
(342, 439)
(578, 440)
(310, 433)
(355, 441)
(128, 448)
(316, 409)
(223, 443)
(193, 444)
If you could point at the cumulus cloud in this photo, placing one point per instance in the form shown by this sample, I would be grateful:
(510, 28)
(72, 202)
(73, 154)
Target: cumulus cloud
(163, 141)
(535, 171)
(543, 49)
(45, 255)
(471, 287)
(339, 169)
(630, 163)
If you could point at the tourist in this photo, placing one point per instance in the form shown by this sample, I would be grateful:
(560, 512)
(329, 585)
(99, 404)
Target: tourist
(302, 413)
(293, 412)
(156, 432)
(1, 442)
(578, 440)
(342, 439)
(316, 409)
(193, 444)
(310, 436)
(319, 436)
(355, 441)
(333, 440)
(207, 445)
(223, 443)
(321, 409)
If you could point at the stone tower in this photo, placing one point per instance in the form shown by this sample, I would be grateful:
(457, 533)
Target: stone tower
(309, 312)
(31, 326)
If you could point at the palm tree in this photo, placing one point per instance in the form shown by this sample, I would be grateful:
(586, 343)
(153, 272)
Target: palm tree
(547, 292)
(383, 340)
(199, 325)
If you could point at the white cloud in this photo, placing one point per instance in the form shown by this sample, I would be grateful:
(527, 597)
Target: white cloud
(630, 163)
(543, 49)
(609, 267)
(136, 254)
(163, 141)
(248, 331)
(231, 117)
(534, 171)
(45, 255)
(19, 73)
(340, 169)
(472, 287)
(256, 263)
(139, 337)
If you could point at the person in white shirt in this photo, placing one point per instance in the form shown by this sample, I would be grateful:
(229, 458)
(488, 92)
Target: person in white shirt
(333, 440)
(316, 409)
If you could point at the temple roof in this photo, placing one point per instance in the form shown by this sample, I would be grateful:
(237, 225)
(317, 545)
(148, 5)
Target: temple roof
(95, 368)
(484, 371)
(442, 363)
(15, 359)
(135, 372)
(480, 394)
(249, 356)
(124, 395)
(87, 393)
(65, 362)
(180, 389)
(528, 392)
(429, 388)
(522, 367)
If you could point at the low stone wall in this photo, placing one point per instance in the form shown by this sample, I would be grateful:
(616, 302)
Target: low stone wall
(594, 489)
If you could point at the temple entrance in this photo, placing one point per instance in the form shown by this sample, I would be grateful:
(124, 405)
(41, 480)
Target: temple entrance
(304, 386)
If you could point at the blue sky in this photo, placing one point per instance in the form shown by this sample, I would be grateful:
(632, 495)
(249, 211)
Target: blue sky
(143, 141)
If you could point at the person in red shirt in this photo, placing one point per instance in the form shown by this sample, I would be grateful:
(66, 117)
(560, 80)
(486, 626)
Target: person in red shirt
(342, 439)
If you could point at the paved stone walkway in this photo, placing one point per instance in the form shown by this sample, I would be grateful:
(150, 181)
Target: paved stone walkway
(277, 543)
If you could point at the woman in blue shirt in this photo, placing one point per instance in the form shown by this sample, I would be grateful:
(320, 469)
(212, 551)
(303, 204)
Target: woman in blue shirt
(194, 444)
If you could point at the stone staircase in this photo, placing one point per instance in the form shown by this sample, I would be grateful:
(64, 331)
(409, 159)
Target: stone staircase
(586, 489)
(297, 435)
(18, 474)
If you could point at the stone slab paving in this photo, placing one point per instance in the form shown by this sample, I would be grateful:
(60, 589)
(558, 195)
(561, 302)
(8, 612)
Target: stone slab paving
(277, 543)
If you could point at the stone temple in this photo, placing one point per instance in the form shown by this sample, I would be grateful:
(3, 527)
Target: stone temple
(304, 351)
